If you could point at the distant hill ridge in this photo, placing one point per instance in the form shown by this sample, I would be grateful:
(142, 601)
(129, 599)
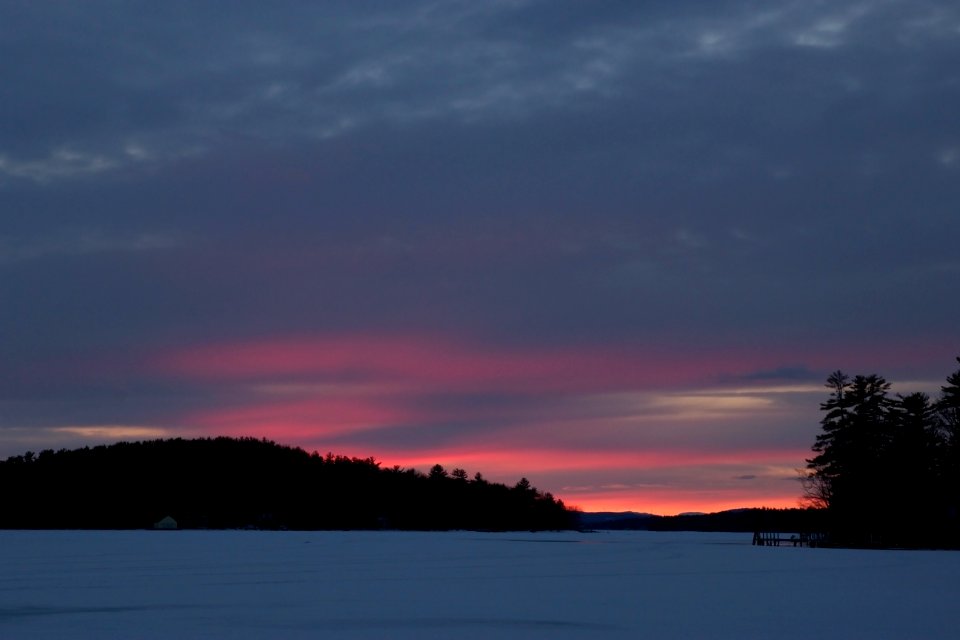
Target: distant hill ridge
(245, 482)
(744, 519)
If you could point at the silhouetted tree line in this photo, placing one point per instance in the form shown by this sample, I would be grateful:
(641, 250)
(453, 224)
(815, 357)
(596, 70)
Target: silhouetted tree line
(234, 483)
(887, 468)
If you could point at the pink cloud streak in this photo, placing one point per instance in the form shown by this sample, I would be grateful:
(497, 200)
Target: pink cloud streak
(451, 364)
(570, 414)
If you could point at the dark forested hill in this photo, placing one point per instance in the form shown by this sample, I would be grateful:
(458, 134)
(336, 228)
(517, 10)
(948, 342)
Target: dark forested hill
(228, 482)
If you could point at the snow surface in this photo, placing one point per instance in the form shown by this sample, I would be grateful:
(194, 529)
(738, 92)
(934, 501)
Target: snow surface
(464, 585)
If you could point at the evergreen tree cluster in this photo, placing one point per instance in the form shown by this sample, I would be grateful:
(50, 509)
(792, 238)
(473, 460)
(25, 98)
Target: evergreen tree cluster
(887, 468)
(239, 483)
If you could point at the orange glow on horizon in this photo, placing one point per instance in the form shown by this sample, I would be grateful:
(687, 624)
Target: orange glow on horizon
(667, 504)
(508, 466)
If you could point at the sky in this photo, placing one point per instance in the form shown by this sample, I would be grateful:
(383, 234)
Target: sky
(613, 247)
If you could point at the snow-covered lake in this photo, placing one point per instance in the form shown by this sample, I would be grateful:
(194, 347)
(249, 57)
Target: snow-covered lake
(464, 585)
